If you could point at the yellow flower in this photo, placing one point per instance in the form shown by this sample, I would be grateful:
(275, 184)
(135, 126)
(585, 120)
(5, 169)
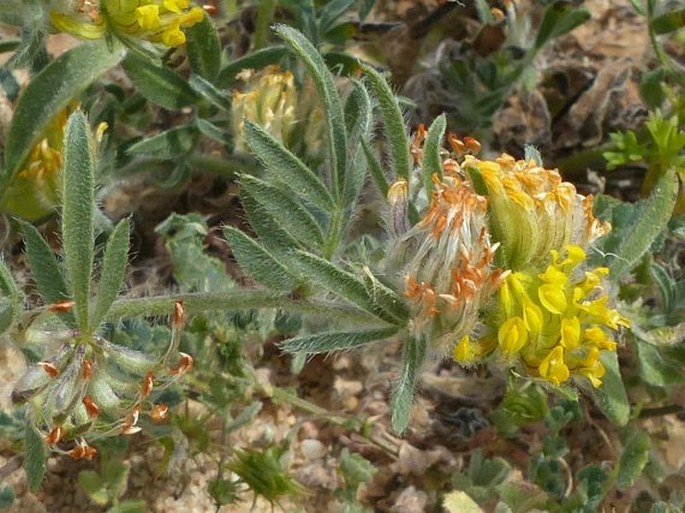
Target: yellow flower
(553, 368)
(152, 20)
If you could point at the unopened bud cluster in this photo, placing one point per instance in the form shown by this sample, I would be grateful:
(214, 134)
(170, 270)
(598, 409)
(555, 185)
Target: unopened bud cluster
(92, 388)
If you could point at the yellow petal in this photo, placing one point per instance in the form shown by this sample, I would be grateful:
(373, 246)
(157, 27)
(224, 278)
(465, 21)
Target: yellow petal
(552, 367)
(147, 17)
(512, 335)
(553, 298)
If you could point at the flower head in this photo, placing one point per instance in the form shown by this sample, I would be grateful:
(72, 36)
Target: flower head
(160, 21)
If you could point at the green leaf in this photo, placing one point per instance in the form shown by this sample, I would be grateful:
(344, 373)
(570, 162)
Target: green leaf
(348, 286)
(403, 396)
(78, 196)
(113, 271)
(289, 169)
(42, 100)
(335, 340)
(393, 122)
(331, 12)
(432, 161)
(94, 486)
(375, 169)
(45, 269)
(559, 18)
(6, 497)
(254, 60)
(166, 145)
(209, 91)
(332, 106)
(274, 238)
(669, 22)
(358, 118)
(611, 397)
(10, 298)
(214, 132)
(158, 83)
(285, 210)
(655, 368)
(204, 48)
(633, 459)
(34, 458)
(258, 263)
(652, 87)
(641, 234)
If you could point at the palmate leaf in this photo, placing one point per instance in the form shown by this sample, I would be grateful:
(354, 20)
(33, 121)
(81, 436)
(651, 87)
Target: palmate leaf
(336, 340)
(287, 167)
(330, 99)
(41, 101)
(78, 198)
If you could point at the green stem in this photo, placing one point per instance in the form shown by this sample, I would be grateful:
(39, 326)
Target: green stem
(234, 300)
(265, 16)
(334, 234)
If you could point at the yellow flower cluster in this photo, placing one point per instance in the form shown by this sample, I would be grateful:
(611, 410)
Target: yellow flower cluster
(495, 268)
(553, 323)
(153, 20)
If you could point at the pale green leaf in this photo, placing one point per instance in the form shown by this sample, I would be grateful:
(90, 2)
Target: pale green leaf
(432, 161)
(257, 262)
(113, 271)
(403, 396)
(34, 458)
(335, 340)
(285, 210)
(50, 92)
(287, 167)
(78, 197)
(204, 48)
(393, 122)
(640, 235)
(633, 460)
(460, 502)
(611, 397)
(328, 93)
(157, 83)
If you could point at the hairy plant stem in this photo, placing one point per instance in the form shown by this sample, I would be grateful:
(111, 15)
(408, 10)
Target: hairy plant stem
(235, 300)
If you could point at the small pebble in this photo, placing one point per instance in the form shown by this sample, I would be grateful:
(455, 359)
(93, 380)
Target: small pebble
(313, 449)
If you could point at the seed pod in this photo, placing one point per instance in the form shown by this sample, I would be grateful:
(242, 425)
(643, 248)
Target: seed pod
(67, 389)
(102, 394)
(37, 377)
(127, 359)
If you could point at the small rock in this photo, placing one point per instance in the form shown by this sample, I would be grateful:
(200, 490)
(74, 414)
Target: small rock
(313, 449)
